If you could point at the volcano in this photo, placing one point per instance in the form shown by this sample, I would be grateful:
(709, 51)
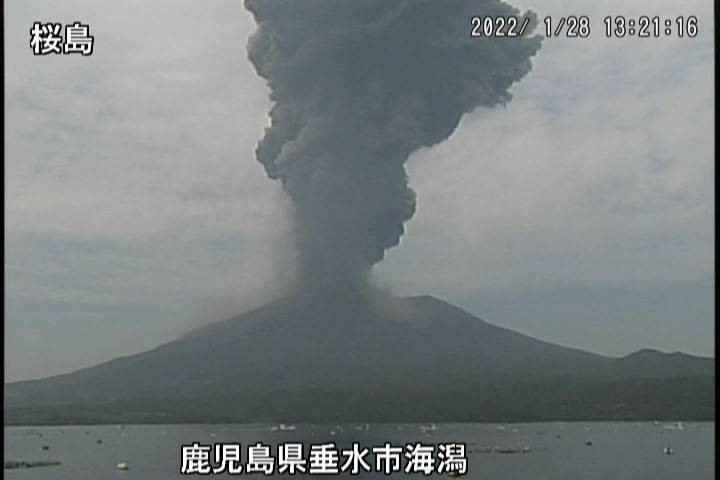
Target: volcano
(370, 358)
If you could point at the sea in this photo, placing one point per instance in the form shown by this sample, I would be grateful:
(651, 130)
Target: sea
(532, 451)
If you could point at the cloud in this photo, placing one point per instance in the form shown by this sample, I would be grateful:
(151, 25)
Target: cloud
(130, 175)
(597, 174)
(135, 208)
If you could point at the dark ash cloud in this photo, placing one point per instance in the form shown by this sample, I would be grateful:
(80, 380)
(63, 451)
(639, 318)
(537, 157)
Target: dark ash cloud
(357, 87)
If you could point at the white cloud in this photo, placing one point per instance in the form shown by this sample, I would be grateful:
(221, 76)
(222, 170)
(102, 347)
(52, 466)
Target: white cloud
(132, 191)
(597, 174)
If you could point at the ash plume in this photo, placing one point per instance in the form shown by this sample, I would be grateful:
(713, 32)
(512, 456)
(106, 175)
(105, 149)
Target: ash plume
(357, 86)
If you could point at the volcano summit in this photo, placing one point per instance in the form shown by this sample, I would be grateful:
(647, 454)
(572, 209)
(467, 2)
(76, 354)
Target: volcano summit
(357, 87)
(383, 358)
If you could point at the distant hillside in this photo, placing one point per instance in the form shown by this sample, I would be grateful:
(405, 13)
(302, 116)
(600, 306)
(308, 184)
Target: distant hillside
(294, 356)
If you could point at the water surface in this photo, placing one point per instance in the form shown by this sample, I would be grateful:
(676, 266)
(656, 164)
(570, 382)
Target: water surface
(582, 451)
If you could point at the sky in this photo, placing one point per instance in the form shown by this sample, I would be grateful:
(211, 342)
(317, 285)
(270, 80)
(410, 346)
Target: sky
(581, 213)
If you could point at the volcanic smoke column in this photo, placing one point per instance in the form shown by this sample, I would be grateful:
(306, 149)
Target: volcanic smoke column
(357, 86)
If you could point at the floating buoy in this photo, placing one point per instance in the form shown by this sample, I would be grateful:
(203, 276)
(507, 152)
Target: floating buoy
(122, 466)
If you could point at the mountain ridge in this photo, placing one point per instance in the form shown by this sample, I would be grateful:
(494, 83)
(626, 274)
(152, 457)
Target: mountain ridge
(305, 343)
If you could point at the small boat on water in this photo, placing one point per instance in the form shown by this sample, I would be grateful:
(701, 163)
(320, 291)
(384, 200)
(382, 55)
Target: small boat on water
(122, 466)
(668, 451)
(363, 428)
(14, 464)
(507, 450)
(676, 426)
(283, 428)
(428, 428)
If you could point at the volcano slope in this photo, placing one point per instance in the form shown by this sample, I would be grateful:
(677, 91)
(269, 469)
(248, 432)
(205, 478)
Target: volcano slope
(372, 358)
